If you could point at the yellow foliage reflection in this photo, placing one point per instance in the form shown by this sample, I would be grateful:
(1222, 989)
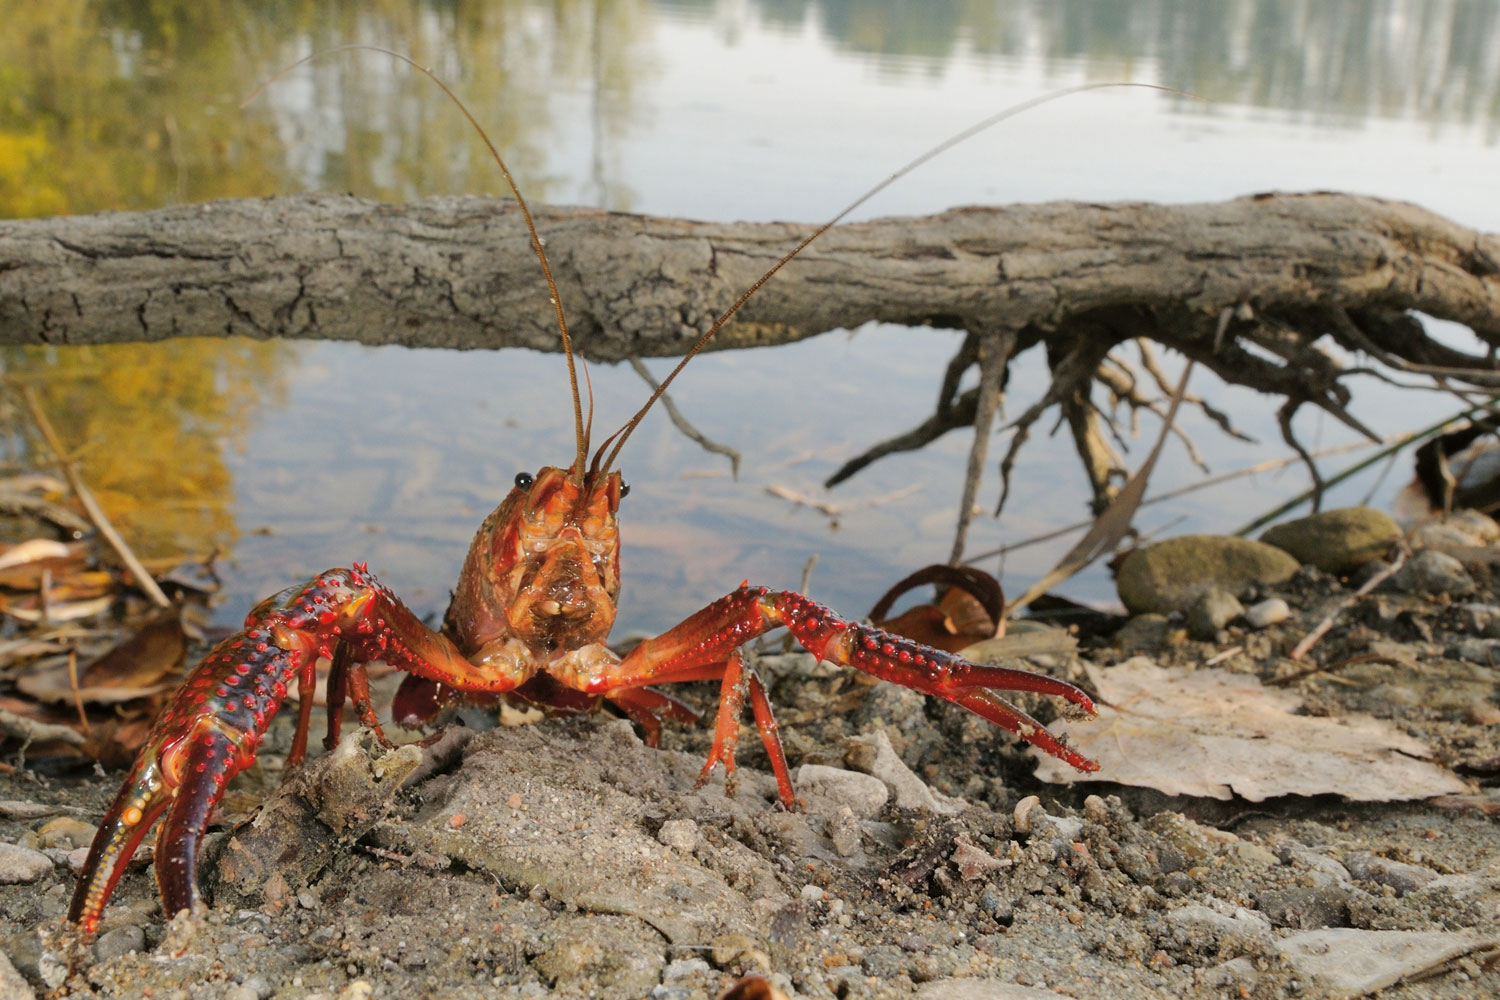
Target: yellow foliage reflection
(148, 424)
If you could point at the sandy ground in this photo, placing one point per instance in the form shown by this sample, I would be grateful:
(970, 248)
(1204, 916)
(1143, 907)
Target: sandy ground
(568, 859)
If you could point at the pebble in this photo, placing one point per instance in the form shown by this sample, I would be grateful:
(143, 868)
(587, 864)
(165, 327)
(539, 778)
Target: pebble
(67, 833)
(682, 968)
(119, 941)
(863, 794)
(1482, 651)
(843, 830)
(1306, 907)
(258, 985)
(22, 864)
(1399, 875)
(1212, 611)
(1147, 633)
(1481, 618)
(1271, 611)
(681, 834)
(1323, 868)
(1432, 572)
(1242, 925)
(1251, 855)
(13, 985)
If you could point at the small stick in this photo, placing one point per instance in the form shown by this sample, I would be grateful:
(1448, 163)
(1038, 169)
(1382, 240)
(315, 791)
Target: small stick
(684, 425)
(83, 715)
(33, 731)
(90, 505)
(1345, 604)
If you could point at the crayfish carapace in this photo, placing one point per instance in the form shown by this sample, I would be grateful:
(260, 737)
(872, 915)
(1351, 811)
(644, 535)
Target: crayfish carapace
(530, 617)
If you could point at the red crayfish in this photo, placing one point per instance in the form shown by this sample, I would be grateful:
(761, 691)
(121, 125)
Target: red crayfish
(529, 620)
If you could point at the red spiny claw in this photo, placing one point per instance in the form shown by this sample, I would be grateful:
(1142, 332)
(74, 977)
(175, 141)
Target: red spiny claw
(211, 729)
(207, 734)
(910, 664)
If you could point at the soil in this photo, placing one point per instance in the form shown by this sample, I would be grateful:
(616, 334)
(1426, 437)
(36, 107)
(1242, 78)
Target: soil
(568, 859)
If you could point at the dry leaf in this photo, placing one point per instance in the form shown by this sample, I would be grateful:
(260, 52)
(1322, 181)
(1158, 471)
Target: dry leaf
(32, 550)
(1219, 734)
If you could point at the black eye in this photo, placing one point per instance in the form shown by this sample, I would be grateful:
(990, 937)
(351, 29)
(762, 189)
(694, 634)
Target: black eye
(624, 489)
(524, 480)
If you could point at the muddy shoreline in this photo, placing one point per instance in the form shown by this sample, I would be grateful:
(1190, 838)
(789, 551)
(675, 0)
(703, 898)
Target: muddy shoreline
(568, 859)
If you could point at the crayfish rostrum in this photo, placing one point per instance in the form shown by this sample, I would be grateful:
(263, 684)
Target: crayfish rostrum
(529, 620)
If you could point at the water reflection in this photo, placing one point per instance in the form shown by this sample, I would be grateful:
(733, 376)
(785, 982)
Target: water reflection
(126, 104)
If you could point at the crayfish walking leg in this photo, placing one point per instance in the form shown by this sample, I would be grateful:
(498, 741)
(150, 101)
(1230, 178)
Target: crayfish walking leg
(705, 646)
(213, 726)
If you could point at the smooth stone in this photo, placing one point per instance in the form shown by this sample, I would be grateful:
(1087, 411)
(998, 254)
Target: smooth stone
(21, 864)
(863, 794)
(1399, 875)
(1211, 612)
(1147, 633)
(1168, 576)
(1432, 572)
(1336, 541)
(1271, 611)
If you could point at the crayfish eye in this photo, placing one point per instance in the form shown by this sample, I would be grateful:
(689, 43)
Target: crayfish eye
(624, 489)
(524, 480)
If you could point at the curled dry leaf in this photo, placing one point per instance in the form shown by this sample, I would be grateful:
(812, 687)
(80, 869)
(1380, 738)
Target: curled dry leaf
(143, 665)
(1219, 734)
(971, 610)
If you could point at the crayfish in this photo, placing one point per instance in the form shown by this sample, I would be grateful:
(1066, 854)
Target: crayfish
(529, 621)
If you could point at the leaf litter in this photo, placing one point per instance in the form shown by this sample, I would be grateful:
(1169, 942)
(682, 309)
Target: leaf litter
(1220, 734)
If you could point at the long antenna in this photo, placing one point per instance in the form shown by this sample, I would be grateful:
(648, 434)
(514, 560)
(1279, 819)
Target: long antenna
(536, 241)
(617, 440)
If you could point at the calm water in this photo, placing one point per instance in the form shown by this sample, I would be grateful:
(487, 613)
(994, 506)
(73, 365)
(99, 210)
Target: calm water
(315, 455)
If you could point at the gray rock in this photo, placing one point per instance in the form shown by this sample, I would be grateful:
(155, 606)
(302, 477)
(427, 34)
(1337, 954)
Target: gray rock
(1336, 541)
(1146, 633)
(681, 834)
(843, 831)
(1251, 855)
(119, 941)
(1197, 924)
(1323, 868)
(1432, 572)
(862, 794)
(1481, 618)
(21, 864)
(1212, 611)
(1399, 875)
(1306, 907)
(1271, 611)
(1460, 529)
(1485, 651)
(983, 989)
(13, 985)
(1170, 575)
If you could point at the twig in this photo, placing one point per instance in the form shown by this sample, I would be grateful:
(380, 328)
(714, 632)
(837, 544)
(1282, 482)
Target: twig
(1345, 604)
(83, 715)
(33, 732)
(1114, 522)
(682, 424)
(1395, 444)
(994, 354)
(1202, 484)
(96, 514)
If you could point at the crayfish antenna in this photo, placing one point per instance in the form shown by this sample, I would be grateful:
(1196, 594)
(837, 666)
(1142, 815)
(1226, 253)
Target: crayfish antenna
(623, 434)
(581, 432)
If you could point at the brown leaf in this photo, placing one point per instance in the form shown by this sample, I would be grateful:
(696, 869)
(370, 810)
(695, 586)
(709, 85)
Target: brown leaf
(143, 660)
(1218, 734)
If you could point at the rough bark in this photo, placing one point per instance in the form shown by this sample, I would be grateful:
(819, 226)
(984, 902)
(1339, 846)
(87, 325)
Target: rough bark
(1277, 270)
